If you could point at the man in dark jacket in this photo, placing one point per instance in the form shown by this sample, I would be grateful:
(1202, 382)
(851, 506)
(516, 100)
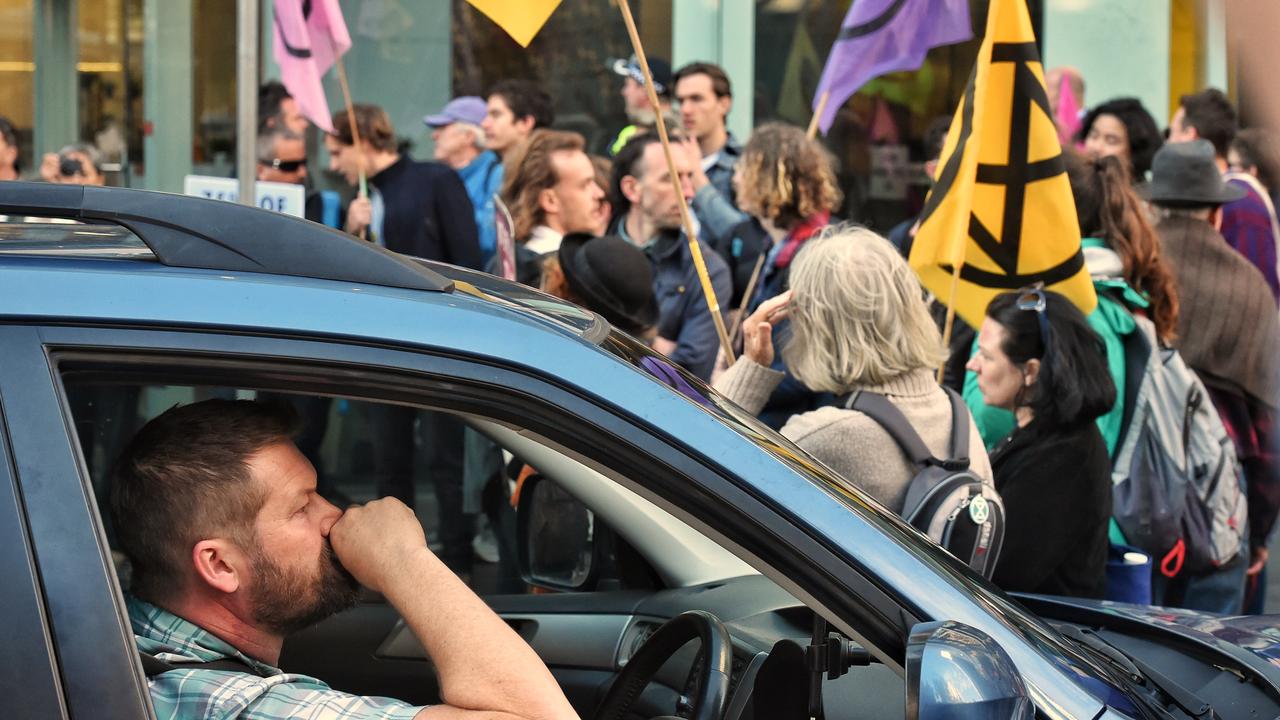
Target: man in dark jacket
(649, 218)
(415, 208)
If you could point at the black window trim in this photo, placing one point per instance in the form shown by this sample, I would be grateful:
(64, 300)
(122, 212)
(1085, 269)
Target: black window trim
(27, 654)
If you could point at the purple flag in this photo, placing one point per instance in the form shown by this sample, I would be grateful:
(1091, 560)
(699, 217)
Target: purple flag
(309, 37)
(884, 36)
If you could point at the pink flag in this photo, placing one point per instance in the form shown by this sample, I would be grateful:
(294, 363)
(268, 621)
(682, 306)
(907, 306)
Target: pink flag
(1068, 113)
(309, 37)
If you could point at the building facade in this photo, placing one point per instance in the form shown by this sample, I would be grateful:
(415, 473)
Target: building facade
(153, 82)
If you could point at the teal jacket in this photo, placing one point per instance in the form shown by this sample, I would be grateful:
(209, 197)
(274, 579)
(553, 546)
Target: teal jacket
(1112, 320)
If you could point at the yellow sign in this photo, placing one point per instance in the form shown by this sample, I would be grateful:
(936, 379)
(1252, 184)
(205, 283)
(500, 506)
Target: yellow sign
(1002, 209)
(522, 19)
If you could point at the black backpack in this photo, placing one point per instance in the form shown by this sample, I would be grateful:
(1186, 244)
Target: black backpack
(945, 499)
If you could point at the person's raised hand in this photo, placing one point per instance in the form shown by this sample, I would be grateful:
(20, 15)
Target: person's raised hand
(757, 330)
(359, 215)
(50, 168)
(1257, 561)
(700, 178)
(371, 541)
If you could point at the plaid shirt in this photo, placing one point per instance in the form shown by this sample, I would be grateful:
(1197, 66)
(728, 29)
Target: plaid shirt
(1246, 224)
(216, 694)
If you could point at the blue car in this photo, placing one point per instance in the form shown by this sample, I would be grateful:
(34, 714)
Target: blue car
(687, 560)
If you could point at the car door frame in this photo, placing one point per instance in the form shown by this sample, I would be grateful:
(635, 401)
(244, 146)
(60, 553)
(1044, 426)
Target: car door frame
(668, 470)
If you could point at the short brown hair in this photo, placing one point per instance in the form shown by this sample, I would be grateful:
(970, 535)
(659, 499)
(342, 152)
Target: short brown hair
(373, 123)
(185, 478)
(719, 79)
(785, 176)
(1213, 116)
(529, 172)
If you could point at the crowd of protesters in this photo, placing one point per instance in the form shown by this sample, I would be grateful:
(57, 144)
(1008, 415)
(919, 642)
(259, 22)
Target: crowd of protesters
(1178, 230)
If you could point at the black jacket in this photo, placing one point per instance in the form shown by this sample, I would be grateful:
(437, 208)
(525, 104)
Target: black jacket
(428, 213)
(1056, 488)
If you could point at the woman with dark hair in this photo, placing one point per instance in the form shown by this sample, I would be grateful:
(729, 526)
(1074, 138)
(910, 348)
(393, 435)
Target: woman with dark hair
(1038, 357)
(1122, 253)
(1124, 129)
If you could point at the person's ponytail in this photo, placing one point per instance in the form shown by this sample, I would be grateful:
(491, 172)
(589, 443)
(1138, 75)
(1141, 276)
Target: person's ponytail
(1124, 226)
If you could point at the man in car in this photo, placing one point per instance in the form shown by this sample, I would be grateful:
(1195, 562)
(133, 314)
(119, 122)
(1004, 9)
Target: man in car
(232, 550)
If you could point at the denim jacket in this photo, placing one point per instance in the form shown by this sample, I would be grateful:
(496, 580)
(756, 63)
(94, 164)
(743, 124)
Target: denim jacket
(715, 204)
(682, 307)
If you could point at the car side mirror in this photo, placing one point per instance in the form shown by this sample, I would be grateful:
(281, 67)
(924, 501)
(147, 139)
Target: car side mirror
(956, 671)
(558, 549)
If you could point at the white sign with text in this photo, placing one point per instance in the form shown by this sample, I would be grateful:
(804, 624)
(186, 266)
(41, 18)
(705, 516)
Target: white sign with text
(282, 197)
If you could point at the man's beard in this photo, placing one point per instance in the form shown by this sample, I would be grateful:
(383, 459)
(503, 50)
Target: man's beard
(642, 116)
(285, 601)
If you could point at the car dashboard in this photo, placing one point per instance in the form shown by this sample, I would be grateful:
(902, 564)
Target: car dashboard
(586, 638)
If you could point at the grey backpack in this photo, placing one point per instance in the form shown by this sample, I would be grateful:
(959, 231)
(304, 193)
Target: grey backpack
(1177, 487)
(945, 499)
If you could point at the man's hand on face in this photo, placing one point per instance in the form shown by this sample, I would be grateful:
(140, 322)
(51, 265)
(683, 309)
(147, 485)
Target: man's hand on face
(359, 215)
(700, 179)
(372, 541)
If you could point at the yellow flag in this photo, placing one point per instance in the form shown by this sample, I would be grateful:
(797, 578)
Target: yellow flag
(522, 19)
(1002, 207)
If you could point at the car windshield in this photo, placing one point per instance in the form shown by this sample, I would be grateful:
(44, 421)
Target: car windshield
(1034, 630)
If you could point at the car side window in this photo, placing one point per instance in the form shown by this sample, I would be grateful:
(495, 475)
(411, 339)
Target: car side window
(459, 482)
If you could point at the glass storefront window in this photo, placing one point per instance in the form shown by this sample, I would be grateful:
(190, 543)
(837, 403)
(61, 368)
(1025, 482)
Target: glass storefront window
(571, 58)
(109, 71)
(213, 70)
(17, 73)
(877, 137)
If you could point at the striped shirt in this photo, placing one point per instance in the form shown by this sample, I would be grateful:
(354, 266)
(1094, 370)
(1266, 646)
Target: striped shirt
(216, 694)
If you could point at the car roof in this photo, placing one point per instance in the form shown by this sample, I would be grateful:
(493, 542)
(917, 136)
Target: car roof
(125, 256)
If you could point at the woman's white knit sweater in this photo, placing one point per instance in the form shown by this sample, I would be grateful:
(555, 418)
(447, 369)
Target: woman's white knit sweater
(853, 444)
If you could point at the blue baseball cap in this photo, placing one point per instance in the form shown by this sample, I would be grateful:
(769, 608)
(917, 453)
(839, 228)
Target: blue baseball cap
(467, 109)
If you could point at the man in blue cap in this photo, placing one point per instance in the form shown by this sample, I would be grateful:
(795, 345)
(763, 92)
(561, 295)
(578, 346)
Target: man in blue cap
(459, 143)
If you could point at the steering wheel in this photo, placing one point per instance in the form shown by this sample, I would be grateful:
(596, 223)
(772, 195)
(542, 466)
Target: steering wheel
(713, 679)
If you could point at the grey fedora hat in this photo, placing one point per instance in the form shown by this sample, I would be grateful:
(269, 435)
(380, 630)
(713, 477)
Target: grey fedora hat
(1186, 174)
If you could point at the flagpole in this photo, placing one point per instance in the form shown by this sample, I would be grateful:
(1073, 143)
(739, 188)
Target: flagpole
(363, 188)
(817, 114)
(713, 305)
(951, 317)
(746, 296)
(351, 120)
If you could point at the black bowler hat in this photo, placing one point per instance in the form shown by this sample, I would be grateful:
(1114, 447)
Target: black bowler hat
(1186, 174)
(612, 277)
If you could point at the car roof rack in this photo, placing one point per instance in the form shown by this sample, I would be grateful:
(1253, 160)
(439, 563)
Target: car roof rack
(193, 232)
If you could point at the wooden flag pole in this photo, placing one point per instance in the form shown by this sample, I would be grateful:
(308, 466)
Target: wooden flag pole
(746, 296)
(951, 317)
(713, 305)
(363, 188)
(817, 114)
